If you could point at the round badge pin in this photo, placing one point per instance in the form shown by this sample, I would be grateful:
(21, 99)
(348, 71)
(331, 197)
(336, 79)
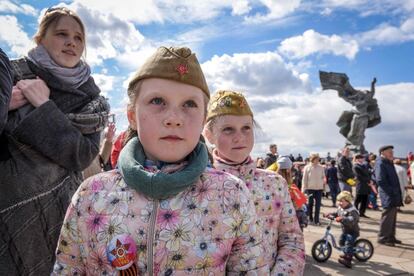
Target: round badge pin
(121, 251)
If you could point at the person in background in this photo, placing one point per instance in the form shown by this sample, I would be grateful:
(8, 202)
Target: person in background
(373, 194)
(313, 182)
(328, 157)
(53, 130)
(410, 159)
(345, 172)
(326, 191)
(100, 163)
(363, 186)
(117, 147)
(272, 156)
(230, 127)
(299, 158)
(332, 179)
(260, 163)
(402, 177)
(297, 175)
(163, 212)
(390, 194)
(298, 198)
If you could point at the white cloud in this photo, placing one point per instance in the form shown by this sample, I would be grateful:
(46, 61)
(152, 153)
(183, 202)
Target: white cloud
(367, 7)
(142, 12)
(408, 26)
(188, 11)
(105, 83)
(160, 11)
(10, 7)
(387, 34)
(198, 35)
(344, 3)
(276, 10)
(312, 42)
(133, 59)
(255, 74)
(11, 33)
(107, 36)
(326, 12)
(240, 7)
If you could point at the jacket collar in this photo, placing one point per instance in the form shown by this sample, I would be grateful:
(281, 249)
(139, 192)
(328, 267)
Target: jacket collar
(349, 209)
(244, 170)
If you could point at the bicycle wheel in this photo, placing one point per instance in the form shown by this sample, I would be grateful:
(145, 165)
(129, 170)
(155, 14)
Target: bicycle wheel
(363, 250)
(321, 250)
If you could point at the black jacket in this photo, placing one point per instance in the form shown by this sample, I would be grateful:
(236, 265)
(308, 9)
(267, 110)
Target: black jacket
(332, 175)
(6, 83)
(388, 183)
(344, 169)
(363, 175)
(270, 159)
(46, 156)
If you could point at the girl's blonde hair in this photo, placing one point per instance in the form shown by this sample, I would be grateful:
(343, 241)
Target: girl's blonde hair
(286, 174)
(52, 17)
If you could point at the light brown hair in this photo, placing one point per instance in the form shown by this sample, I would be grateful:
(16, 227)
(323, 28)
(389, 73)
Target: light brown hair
(52, 17)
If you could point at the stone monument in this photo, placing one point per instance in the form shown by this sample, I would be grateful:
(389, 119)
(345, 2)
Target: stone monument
(365, 112)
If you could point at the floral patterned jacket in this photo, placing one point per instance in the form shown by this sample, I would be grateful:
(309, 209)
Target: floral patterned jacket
(208, 229)
(282, 237)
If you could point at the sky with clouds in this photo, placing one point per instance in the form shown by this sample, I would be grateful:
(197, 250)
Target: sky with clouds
(268, 49)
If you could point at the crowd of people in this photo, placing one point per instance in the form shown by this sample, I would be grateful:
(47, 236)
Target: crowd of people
(75, 199)
(368, 175)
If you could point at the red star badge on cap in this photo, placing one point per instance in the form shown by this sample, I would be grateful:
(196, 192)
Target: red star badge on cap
(182, 69)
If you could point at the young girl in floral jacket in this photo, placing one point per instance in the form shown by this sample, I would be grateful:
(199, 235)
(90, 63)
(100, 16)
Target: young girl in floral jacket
(162, 212)
(230, 127)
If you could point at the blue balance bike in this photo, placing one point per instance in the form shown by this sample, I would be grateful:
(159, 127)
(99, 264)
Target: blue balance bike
(322, 249)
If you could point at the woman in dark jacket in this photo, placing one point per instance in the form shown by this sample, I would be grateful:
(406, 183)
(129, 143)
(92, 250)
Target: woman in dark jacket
(332, 178)
(362, 189)
(6, 82)
(52, 133)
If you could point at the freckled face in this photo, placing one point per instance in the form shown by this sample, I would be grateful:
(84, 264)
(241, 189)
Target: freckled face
(64, 42)
(233, 137)
(169, 118)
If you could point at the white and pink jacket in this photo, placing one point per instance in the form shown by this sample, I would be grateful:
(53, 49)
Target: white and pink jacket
(208, 229)
(283, 242)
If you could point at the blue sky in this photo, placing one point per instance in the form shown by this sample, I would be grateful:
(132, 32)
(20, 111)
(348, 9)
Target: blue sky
(269, 50)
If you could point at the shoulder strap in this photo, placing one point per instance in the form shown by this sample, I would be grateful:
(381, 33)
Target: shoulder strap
(21, 70)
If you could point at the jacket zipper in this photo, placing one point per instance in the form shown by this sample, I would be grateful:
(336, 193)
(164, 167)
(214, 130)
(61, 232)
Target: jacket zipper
(151, 237)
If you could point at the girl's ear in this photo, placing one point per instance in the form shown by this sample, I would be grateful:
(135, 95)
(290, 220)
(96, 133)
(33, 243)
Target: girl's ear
(132, 119)
(209, 135)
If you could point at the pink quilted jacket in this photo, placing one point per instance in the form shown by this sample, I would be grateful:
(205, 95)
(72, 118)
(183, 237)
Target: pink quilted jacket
(208, 229)
(283, 242)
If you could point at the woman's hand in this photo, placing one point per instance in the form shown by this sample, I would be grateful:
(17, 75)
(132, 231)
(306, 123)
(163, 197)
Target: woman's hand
(17, 99)
(34, 90)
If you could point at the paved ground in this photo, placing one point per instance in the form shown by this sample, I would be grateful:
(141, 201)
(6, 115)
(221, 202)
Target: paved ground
(398, 260)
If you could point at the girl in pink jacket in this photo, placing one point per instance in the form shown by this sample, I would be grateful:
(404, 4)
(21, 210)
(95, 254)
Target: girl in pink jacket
(162, 212)
(230, 127)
